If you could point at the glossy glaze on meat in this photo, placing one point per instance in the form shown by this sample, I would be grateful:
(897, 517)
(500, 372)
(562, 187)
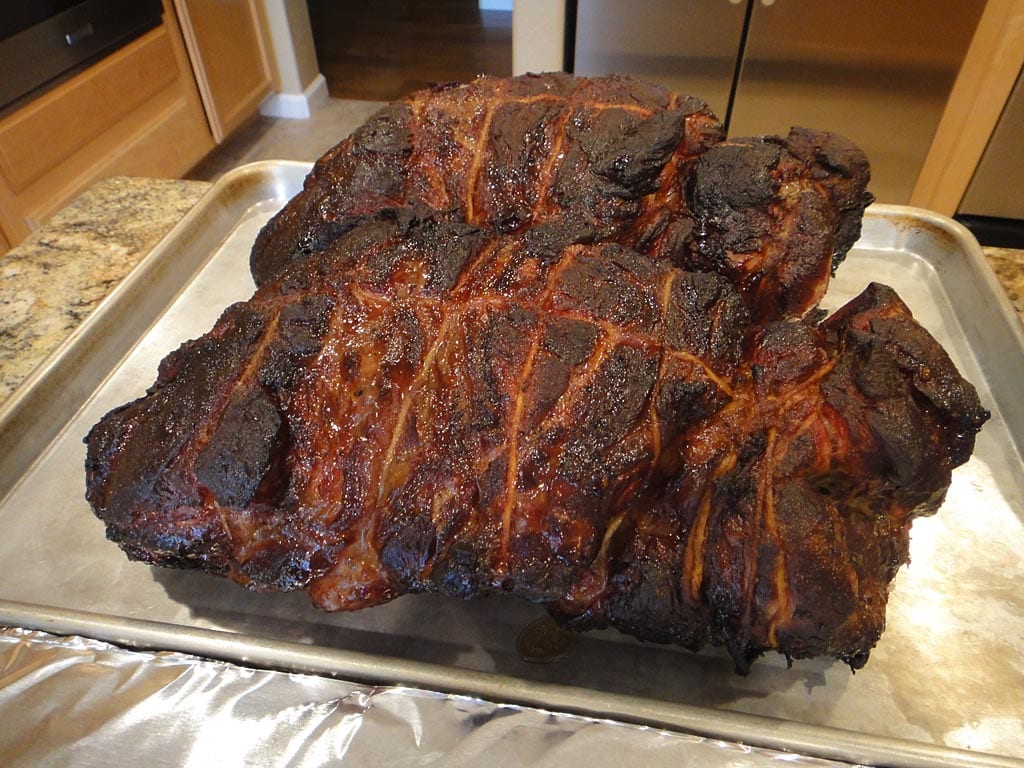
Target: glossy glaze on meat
(424, 404)
(612, 158)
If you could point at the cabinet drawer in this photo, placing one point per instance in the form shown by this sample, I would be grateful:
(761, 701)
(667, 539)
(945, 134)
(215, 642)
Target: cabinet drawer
(37, 138)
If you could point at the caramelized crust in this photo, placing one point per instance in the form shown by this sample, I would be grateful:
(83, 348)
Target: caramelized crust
(613, 158)
(427, 406)
(536, 336)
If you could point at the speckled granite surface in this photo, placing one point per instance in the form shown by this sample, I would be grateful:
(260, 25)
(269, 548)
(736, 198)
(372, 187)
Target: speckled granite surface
(50, 282)
(1008, 265)
(53, 279)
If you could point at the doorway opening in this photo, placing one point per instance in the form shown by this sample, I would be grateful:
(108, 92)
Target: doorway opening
(381, 50)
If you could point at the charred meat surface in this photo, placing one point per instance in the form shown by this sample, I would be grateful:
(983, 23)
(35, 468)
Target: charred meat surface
(621, 160)
(790, 510)
(426, 404)
(776, 216)
(551, 336)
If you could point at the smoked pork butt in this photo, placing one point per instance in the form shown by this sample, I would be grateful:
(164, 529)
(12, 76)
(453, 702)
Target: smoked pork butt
(625, 161)
(486, 359)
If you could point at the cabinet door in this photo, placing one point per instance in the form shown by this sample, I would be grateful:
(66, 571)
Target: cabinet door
(879, 73)
(229, 57)
(995, 189)
(689, 47)
(134, 112)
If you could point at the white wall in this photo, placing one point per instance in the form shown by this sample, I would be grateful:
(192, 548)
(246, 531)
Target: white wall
(538, 36)
(297, 76)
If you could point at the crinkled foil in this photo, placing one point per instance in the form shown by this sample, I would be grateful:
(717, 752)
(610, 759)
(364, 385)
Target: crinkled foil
(73, 701)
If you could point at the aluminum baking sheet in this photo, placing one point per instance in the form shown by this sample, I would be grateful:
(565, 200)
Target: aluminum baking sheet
(944, 686)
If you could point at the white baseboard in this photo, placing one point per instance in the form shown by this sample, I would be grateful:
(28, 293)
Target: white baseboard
(296, 106)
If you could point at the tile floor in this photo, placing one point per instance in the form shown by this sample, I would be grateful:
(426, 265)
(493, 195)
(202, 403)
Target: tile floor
(269, 138)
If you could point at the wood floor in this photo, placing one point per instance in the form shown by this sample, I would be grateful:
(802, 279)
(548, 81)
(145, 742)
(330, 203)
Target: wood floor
(381, 50)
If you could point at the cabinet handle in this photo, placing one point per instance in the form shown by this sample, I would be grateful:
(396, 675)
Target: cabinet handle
(78, 35)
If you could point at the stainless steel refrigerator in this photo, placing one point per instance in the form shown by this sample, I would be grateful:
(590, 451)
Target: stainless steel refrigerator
(877, 72)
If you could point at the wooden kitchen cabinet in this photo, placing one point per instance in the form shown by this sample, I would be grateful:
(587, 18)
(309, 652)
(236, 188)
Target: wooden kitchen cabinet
(979, 99)
(134, 112)
(154, 107)
(229, 56)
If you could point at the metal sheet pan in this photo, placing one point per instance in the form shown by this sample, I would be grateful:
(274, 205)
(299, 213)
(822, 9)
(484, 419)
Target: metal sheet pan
(944, 686)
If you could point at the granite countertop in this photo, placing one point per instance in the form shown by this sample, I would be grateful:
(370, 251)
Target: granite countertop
(60, 273)
(1008, 264)
(52, 280)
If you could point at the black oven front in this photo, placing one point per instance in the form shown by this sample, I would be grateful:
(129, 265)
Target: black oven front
(42, 41)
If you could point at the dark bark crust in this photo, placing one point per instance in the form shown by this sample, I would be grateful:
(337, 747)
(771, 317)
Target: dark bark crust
(631, 162)
(498, 392)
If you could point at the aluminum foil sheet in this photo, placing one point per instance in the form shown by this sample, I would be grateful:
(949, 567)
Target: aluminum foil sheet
(74, 701)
